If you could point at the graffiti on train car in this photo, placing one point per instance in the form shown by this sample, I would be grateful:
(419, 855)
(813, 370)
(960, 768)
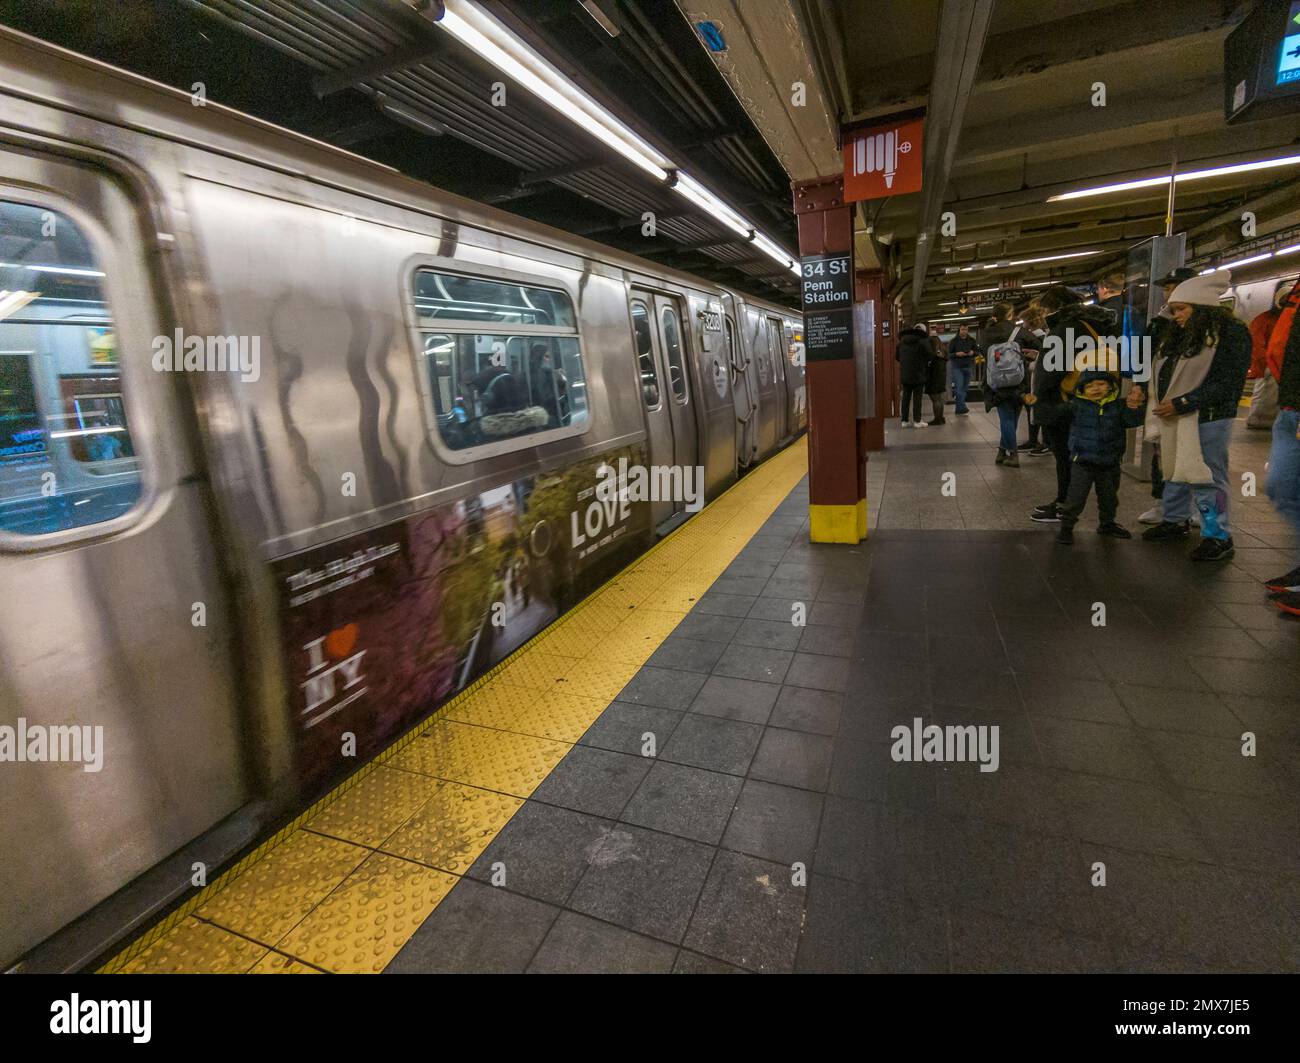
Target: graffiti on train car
(380, 628)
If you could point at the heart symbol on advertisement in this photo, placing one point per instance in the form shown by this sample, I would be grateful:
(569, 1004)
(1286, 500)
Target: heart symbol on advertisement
(339, 642)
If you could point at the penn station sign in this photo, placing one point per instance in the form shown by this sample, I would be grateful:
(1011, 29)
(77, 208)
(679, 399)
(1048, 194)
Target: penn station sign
(827, 298)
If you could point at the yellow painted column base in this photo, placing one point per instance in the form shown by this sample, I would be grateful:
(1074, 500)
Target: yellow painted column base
(838, 524)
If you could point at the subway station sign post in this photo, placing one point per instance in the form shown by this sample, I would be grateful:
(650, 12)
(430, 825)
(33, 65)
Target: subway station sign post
(837, 508)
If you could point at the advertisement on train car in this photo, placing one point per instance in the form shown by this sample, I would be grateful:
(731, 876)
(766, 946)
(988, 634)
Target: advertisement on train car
(381, 627)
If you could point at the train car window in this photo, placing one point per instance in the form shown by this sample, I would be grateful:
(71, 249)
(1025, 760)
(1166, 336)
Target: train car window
(66, 455)
(673, 348)
(761, 353)
(503, 359)
(645, 354)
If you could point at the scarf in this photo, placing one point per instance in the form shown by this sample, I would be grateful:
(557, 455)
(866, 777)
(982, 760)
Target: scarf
(1180, 437)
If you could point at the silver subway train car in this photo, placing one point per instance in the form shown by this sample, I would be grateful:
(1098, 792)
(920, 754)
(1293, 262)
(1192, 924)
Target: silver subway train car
(279, 428)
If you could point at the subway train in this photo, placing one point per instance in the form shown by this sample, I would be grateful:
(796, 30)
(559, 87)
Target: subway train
(292, 448)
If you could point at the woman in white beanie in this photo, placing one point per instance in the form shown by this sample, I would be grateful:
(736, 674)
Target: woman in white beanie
(1196, 380)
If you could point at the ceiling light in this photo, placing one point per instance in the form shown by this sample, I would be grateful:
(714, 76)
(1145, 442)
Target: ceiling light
(483, 34)
(1018, 262)
(1190, 175)
(1287, 250)
(1247, 261)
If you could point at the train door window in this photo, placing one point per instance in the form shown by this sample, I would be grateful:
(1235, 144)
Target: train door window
(503, 360)
(672, 334)
(645, 354)
(761, 350)
(66, 455)
(775, 347)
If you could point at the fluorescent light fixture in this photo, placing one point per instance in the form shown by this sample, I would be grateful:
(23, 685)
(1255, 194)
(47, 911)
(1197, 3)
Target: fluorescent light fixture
(1247, 261)
(481, 33)
(71, 271)
(709, 203)
(1287, 250)
(1019, 262)
(12, 302)
(603, 20)
(981, 291)
(1038, 284)
(1190, 175)
(1205, 271)
(951, 302)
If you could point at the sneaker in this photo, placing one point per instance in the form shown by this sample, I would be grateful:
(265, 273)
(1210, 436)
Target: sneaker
(1038, 450)
(906, 424)
(1026, 445)
(1285, 584)
(1045, 514)
(1002, 456)
(1114, 531)
(1012, 461)
(962, 413)
(1289, 603)
(919, 424)
(1166, 530)
(938, 420)
(1213, 550)
(1154, 515)
(1065, 535)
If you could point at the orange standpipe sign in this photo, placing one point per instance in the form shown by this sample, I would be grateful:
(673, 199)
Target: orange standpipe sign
(883, 160)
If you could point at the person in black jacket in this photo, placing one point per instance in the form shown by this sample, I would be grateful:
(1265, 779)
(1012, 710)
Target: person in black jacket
(1054, 380)
(936, 379)
(1098, 432)
(1156, 328)
(913, 353)
(1204, 328)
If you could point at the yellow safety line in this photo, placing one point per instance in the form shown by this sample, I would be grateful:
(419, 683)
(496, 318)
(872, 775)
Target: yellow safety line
(344, 885)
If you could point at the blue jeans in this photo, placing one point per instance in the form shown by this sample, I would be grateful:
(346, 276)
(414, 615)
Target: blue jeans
(960, 383)
(1211, 499)
(1008, 418)
(1284, 468)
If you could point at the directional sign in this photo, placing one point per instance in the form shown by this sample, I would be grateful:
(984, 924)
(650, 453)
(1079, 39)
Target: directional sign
(883, 160)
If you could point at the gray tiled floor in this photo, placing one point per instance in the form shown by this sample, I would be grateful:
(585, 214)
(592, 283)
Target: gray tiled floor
(772, 830)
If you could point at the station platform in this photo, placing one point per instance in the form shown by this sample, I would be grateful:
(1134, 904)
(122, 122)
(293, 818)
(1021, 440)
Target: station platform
(677, 777)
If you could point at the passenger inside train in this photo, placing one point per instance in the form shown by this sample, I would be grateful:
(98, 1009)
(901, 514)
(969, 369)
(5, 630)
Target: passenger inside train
(524, 556)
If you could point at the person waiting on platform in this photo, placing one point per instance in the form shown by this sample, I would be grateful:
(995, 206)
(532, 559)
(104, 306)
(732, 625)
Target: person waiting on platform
(1031, 339)
(1156, 328)
(1110, 297)
(1006, 378)
(1284, 456)
(1054, 381)
(1196, 382)
(1098, 433)
(914, 353)
(936, 379)
(1263, 399)
(961, 355)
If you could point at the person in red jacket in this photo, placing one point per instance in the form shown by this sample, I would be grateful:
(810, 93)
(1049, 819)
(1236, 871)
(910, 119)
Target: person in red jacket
(1284, 456)
(1263, 403)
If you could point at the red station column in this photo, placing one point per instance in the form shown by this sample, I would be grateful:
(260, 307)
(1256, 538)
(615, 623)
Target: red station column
(837, 502)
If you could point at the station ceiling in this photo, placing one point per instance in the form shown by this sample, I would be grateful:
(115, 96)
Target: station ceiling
(1008, 86)
(379, 78)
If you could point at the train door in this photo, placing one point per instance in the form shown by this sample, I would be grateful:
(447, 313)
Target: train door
(672, 336)
(116, 635)
(742, 393)
(656, 392)
(776, 345)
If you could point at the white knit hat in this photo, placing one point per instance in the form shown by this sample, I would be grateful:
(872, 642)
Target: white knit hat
(1205, 290)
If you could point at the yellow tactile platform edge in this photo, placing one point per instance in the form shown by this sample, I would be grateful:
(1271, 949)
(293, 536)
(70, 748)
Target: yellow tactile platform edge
(344, 885)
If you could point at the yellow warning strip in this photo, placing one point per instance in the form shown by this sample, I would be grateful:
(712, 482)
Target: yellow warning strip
(344, 885)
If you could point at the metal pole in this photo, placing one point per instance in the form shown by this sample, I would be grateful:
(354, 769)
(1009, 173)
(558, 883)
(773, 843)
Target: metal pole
(1173, 180)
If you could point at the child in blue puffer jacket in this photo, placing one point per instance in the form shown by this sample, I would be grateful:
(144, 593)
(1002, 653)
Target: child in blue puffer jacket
(1099, 421)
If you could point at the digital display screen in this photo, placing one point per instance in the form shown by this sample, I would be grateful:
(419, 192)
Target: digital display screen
(1288, 63)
